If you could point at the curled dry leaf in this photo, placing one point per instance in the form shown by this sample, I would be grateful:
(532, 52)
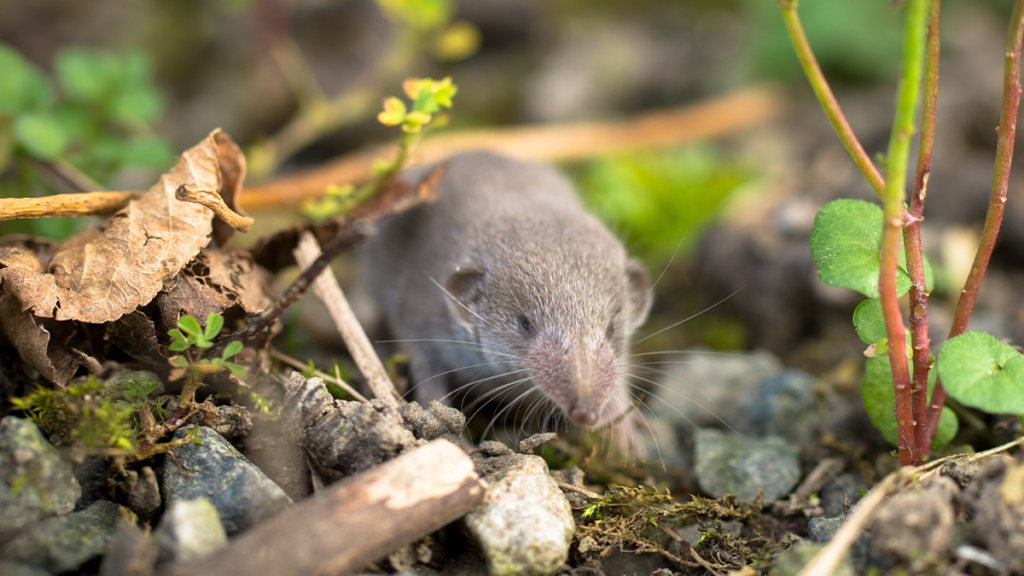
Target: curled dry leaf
(214, 282)
(110, 270)
(106, 272)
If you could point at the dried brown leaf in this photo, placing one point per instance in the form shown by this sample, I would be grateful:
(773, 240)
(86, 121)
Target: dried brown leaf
(55, 362)
(214, 282)
(106, 272)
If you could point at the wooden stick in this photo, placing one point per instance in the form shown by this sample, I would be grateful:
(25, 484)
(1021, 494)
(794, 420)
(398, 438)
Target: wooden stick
(555, 142)
(827, 559)
(279, 356)
(329, 292)
(65, 205)
(355, 521)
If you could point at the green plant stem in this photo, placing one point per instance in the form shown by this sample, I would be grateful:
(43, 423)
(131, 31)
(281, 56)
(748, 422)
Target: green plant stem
(826, 98)
(319, 115)
(908, 93)
(404, 146)
(997, 200)
(912, 237)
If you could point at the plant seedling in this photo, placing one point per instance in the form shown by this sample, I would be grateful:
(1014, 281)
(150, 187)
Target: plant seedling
(190, 339)
(857, 245)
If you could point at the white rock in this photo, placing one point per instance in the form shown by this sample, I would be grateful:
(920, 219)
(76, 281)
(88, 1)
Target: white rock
(524, 525)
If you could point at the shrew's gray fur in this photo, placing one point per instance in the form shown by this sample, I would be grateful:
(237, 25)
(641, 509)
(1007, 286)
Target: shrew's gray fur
(540, 288)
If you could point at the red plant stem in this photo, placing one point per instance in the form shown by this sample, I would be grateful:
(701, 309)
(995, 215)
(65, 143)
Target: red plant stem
(907, 96)
(912, 238)
(997, 201)
(825, 97)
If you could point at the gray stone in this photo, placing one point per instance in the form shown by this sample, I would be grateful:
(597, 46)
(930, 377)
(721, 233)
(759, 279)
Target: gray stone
(189, 529)
(35, 481)
(91, 475)
(784, 405)
(850, 484)
(66, 542)
(524, 525)
(727, 463)
(821, 530)
(241, 493)
(708, 389)
(131, 552)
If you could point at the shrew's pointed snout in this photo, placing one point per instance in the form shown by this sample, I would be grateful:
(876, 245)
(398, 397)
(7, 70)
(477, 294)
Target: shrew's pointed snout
(583, 416)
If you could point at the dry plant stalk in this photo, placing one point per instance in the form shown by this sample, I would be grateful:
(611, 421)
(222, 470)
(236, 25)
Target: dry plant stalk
(355, 521)
(214, 202)
(553, 142)
(329, 292)
(65, 205)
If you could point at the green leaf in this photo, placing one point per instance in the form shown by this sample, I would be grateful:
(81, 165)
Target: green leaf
(148, 151)
(845, 243)
(394, 112)
(23, 87)
(214, 322)
(189, 325)
(178, 361)
(868, 321)
(137, 105)
(232, 349)
(85, 75)
(180, 342)
(41, 135)
(982, 372)
(879, 398)
(235, 369)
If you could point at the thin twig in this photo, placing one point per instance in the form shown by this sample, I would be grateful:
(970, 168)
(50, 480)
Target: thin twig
(329, 292)
(825, 96)
(578, 490)
(919, 340)
(319, 374)
(997, 200)
(346, 239)
(828, 558)
(214, 202)
(65, 205)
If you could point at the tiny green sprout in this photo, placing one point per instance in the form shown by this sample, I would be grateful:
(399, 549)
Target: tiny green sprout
(191, 365)
(594, 510)
(428, 97)
(336, 200)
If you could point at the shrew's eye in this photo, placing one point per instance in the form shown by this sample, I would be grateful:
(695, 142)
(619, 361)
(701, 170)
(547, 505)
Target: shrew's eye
(610, 332)
(524, 324)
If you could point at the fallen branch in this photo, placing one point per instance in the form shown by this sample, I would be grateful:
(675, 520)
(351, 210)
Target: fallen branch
(554, 142)
(355, 521)
(329, 292)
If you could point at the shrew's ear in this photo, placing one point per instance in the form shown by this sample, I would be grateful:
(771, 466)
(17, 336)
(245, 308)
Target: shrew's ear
(465, 289)
(638, 291)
